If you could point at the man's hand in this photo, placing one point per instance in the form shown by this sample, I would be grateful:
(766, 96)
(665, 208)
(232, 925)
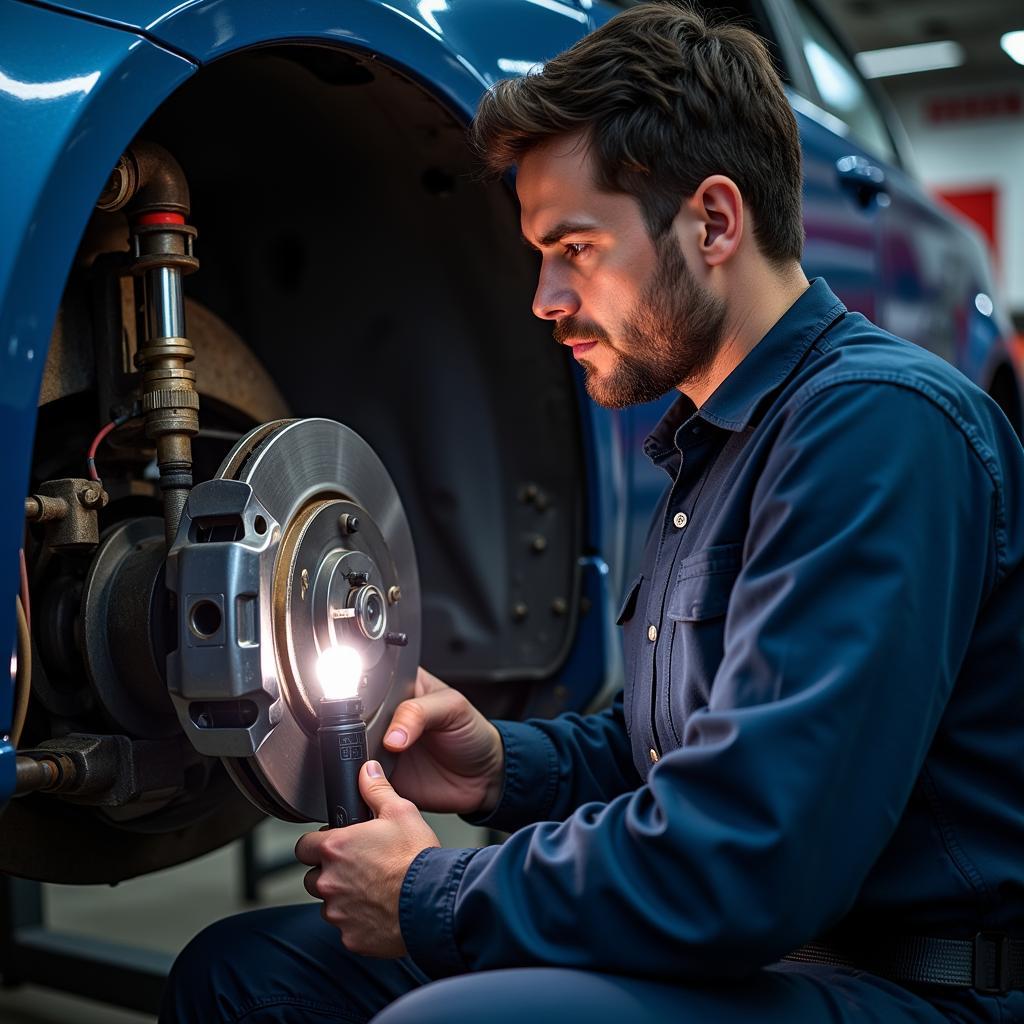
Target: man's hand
(358, 871)
(451, 758)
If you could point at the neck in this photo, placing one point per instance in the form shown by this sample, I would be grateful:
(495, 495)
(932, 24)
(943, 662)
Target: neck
(760, 297)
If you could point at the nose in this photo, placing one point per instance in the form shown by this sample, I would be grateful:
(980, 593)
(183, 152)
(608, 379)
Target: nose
(554, 299)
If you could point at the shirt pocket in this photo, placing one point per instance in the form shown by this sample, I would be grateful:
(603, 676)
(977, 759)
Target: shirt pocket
(696, 609)
(628, 609)
(627, 619)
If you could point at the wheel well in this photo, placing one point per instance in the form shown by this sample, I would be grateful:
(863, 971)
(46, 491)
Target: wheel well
(346, 235)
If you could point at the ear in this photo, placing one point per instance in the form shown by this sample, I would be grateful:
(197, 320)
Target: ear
(718, 207)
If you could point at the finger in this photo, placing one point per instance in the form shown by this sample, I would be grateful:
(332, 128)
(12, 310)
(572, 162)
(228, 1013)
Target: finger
(309, 881)
(308, 848)
(414, 717)
(376, 790)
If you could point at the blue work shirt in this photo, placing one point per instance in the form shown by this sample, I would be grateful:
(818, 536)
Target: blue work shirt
(823, 716)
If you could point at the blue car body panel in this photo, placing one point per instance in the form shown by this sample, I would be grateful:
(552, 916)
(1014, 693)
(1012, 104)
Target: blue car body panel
(77, 81)
(440, 40)
(76, 87)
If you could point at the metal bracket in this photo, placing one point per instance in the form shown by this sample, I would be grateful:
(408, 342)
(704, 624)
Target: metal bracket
(222, 676)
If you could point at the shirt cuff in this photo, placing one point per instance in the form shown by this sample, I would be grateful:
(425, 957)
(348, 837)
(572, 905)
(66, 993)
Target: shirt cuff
(531, 779)
(426, 910)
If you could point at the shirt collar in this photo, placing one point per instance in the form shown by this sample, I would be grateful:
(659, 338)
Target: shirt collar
(764, 369)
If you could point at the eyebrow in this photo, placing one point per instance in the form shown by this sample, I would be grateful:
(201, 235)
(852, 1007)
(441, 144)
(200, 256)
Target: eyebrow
(558, 232)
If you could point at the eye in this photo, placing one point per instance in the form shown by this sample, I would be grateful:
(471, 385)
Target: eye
(574, 250)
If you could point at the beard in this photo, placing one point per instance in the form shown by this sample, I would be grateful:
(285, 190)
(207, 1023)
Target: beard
(669, 338)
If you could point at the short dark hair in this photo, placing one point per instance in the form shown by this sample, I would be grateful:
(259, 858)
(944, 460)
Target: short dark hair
(666, 98)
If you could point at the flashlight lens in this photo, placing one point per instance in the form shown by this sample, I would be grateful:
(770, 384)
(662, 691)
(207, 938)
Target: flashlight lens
(339, 670)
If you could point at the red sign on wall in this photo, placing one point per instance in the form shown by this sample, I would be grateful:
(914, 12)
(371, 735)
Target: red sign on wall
(979, 205)
(979, 107)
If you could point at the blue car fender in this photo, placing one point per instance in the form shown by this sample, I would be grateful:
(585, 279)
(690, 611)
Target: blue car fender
(79, 79)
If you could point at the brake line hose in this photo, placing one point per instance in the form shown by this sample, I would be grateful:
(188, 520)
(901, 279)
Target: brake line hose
(23, 675)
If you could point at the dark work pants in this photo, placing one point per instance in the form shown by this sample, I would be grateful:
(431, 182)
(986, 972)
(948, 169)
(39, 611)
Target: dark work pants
(285, 964)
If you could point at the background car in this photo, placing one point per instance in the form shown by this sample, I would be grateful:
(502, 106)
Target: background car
(354, 266)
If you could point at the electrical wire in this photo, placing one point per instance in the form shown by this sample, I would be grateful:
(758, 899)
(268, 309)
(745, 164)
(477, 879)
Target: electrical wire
(23, 675)
(90, 460)
(26, 604)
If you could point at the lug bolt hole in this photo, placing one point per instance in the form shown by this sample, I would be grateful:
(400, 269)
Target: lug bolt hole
(259, 524)
(205, 618)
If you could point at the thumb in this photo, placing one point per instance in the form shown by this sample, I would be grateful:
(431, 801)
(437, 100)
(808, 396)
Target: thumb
(414, 717)
(376, 789)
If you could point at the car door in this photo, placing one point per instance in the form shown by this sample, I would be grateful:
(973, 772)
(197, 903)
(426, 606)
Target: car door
(922, 266)
(845, 180)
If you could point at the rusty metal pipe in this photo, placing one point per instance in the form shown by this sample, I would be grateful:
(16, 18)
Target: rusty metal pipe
(42, 508)
(43, 771)
(149, 184)
(31, 775)
(148, 178)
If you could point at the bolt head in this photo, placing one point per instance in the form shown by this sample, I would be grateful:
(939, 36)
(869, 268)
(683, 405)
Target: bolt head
(394, 595)
(348, 523)
(92, 497)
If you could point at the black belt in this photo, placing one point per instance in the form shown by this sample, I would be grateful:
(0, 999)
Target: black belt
(991, 962)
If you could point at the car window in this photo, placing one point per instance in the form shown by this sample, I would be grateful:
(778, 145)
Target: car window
(840, 85)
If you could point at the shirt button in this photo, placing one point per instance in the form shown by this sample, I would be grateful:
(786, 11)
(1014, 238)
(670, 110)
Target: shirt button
(680, 520)
(652, 633)
(654, 755)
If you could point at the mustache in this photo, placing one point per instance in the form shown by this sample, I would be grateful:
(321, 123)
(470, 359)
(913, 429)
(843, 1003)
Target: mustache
(572, 328)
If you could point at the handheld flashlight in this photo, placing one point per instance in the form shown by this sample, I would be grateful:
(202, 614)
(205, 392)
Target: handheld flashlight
(342, 735)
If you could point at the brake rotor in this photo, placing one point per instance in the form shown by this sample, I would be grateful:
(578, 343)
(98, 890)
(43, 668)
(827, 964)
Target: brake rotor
(300, 543)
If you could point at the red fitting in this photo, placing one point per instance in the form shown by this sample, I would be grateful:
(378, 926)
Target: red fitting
(160, 217)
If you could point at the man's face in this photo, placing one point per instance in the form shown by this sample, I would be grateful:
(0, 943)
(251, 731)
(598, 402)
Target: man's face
(638, 321)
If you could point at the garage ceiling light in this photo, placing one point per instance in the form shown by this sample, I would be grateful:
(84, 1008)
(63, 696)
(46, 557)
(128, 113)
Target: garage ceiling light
(1013, 45)
(906, 60)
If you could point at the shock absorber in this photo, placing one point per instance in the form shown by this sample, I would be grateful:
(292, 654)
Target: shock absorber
(150, 185)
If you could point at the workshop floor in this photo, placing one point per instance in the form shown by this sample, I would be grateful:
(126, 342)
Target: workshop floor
(163, 911)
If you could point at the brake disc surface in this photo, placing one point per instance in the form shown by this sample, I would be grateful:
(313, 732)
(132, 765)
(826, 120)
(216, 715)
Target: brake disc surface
(300, 543)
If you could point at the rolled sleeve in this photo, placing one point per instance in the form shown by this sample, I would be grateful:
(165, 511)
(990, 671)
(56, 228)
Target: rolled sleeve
(426, 905)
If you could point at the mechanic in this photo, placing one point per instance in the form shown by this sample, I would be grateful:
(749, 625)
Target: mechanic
(821, 735)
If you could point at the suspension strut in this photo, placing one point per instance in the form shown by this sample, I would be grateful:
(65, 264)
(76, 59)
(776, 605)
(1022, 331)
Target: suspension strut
(150, 185)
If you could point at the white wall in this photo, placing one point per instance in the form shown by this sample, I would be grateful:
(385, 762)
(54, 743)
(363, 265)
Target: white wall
(963, 154)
